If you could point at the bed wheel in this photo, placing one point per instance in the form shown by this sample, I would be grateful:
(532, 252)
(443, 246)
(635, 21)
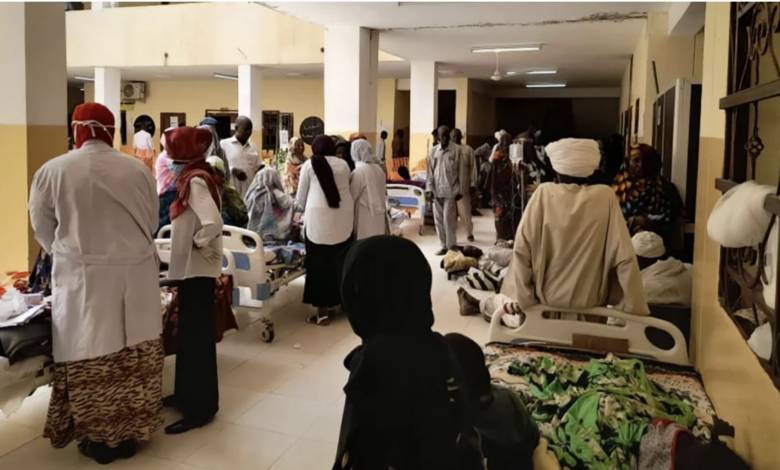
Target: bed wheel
(421, 231)
(268, 333)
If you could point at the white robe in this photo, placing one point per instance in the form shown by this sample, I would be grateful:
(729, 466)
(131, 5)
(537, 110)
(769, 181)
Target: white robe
(369, 190)
(242, 157)
(573, 250)
(95, 210)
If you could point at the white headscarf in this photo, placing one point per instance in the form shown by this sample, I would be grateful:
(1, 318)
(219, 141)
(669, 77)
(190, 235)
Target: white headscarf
(648, 245)
(362, 153)
(578, 158)
(739, 218)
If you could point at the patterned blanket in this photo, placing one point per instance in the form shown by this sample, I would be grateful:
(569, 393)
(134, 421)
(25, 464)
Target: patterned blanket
(595, 410)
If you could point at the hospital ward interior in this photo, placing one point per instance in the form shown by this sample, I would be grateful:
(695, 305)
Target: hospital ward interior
(420, 235)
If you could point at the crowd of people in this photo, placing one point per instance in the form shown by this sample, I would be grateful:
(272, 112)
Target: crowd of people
(414, 398)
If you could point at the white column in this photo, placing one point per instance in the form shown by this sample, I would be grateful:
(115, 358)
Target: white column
(250, 89)
(351, 66)
(108, 83)
(424, 108)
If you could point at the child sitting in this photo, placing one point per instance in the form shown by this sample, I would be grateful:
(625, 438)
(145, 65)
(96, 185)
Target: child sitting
(509, 436)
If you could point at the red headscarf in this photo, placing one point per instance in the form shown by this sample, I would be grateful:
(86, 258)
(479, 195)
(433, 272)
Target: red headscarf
(189, 145)
(92, 121)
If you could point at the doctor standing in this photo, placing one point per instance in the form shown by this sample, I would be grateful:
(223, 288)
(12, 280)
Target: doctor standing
(95, 210)
(242, 155)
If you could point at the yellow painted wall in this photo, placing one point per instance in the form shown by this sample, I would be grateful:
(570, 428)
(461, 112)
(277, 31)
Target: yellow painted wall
(190, 34)
(674, 56)
(739, 388)
(462, 107)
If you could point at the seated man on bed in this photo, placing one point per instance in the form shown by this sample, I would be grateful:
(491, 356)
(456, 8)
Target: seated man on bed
(572, 248)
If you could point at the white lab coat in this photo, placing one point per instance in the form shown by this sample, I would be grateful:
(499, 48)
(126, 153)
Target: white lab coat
(242, 157)
(95, 210)
(142, 140)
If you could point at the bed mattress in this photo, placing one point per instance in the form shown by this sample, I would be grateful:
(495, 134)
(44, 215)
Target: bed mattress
(289, 255)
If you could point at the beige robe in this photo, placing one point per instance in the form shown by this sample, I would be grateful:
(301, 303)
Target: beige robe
(573, 250)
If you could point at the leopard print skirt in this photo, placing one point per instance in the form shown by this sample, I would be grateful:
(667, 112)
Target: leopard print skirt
(110, 399)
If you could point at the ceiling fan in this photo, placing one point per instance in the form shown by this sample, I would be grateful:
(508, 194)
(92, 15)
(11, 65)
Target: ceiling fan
(497, 76)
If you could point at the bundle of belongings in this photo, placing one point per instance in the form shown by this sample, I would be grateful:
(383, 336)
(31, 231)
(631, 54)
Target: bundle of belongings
(460, 259)
(740, 220)
(25, 333)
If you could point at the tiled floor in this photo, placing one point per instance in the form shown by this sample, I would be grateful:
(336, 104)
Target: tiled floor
(280, 403)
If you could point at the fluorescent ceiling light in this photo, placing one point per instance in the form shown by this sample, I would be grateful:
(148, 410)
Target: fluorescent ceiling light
(516, 48)
(545, 85)
(226, 77)
(541, 72)
(84, 79)
(511, 72)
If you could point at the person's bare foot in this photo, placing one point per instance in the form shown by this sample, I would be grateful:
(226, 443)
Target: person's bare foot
(469, 305)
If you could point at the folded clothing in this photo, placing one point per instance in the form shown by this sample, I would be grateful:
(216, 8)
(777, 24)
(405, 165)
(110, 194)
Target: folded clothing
(455, 261)
(499, 255)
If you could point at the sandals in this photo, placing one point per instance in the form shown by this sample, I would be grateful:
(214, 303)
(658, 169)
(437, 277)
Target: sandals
(318, 320)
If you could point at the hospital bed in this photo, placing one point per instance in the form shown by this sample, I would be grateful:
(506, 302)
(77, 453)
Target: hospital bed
(405, 196)
(522, 358)
(257, 271)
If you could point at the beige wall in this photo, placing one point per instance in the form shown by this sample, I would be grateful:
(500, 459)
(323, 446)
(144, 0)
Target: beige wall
(674, 56)
(740, 390)
(481, 114)
(190, 34)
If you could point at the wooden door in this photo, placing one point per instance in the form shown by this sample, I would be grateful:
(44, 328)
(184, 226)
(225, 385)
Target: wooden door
(226, 121)
(172, 120)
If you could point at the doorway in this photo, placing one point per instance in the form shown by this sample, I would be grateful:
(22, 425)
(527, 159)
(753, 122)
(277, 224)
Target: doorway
(226, 121)
(446, 108)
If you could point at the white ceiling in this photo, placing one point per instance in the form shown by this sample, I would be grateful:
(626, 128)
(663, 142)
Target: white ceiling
(588, 42)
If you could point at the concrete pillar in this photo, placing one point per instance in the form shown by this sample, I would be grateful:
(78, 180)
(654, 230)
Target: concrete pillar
(108, 83)
(250, 102)
(351, 66)
(33, 115)
(424, 106)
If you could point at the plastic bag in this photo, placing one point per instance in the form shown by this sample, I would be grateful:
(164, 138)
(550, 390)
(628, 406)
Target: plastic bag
(12, 303)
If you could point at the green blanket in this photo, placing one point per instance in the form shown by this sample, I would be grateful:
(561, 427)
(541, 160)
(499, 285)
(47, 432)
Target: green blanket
(594, 415)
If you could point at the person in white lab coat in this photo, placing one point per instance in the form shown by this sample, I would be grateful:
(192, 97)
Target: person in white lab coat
(242, 155)
(368, 188)
(95, 211)
(196, 261)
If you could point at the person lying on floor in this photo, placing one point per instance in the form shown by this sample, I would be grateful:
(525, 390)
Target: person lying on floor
(507, 433)
(403, 408)
(572, 248)
(667, 281)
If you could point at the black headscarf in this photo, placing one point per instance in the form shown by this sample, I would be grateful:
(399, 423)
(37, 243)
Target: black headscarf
(323, 147)
(403, 407)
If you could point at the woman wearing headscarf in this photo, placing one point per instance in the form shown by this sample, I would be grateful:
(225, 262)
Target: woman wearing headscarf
(105, 321)
(271, 210)
(234, 211)
(648, 200)
(404, 409)
(168, 173)
(330, 213)
(369, 190)
(344, 152)
(143, 146)
(503, 182)
(165, 179)
(295, 161)
(215, 149)
(196, 261)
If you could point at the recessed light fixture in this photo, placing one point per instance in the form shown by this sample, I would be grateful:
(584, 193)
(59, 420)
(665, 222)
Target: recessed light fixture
(511, 72)
(545, 85)
(226, 77)
(84, 79)
(515, 48)
(541, 72)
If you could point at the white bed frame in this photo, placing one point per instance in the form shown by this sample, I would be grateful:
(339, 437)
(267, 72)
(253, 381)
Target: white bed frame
(251, 284)
(403, 193)
(536, 328)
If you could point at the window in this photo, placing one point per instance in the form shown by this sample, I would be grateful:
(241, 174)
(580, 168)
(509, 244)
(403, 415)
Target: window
(752, 152)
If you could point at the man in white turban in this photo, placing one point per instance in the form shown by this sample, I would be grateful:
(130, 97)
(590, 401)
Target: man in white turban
(572, 248)
(666, 281)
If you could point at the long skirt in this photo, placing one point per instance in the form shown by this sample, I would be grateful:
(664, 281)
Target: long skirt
(322, 287)
(196, 388)
(109, 399)
(147, 157)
